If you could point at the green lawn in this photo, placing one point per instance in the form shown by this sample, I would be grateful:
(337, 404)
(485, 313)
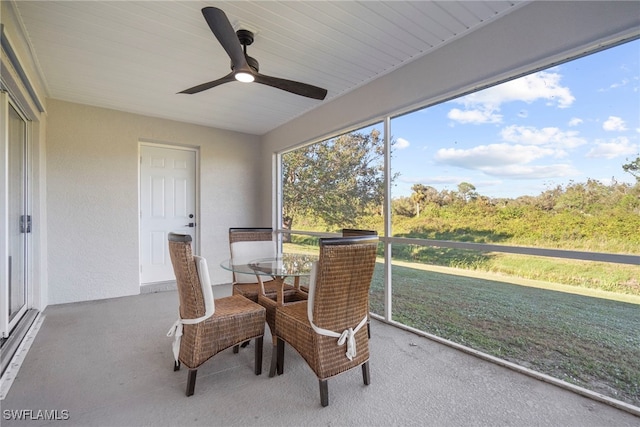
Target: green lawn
(589, 340)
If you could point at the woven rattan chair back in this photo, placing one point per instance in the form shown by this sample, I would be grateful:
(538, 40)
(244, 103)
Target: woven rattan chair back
(353, 232)
(187, 281)
(343, 280)
(250, 234)
(349, 232)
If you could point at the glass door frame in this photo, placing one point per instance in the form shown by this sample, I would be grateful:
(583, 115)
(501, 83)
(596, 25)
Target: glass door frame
(9, 320)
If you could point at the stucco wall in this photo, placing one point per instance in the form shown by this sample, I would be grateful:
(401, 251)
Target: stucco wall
(92, 196)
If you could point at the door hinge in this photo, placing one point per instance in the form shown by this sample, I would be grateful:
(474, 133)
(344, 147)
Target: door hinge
(25, 223)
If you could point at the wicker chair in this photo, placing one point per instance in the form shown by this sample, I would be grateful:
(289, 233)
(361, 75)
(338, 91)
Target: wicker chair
(207, 326)
(335, 314)
(353, 232)
(247, 244)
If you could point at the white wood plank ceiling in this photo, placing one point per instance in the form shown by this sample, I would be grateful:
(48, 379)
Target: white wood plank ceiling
(135, 56)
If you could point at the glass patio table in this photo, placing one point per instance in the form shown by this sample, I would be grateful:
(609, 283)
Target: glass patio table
(278, 268)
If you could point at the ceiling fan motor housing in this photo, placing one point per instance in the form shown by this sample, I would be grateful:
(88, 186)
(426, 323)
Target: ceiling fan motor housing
(245, 37)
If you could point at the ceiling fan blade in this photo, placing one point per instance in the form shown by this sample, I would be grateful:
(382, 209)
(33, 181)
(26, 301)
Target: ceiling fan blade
(222, 29)
(298, 88)
(204, 86)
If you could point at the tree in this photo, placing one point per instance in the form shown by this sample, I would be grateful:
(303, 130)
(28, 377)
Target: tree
(403, 206)
(423, 195)
(633, 168)
(467, 192)
(338, 180)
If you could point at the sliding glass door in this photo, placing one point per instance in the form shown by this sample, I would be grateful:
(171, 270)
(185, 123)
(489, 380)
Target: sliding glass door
(17, 221)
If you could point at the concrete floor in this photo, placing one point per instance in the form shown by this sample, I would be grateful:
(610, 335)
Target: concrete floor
(109, 363)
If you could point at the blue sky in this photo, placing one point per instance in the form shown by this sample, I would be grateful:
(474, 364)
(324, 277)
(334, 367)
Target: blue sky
(572, 122)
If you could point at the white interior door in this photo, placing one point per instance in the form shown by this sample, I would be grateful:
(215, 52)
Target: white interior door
(167, 204)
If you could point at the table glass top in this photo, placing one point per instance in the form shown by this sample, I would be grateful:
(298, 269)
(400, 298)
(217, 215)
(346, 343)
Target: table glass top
(289, 265)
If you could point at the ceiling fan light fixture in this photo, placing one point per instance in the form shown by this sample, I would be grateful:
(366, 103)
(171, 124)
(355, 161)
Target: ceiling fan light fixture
(244, 77)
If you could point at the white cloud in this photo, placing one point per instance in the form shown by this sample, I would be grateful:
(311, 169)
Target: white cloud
(477, 116)
(616, 147)
(531, 171)
(493, 155)
(401, 143)
(623, 82)
(575, 121)
(541, 85)
(549, 136)
(614, 123)
(484, 106)
(506, 161)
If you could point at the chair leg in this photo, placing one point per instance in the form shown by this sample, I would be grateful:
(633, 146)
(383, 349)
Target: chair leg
(258, 356)
(191, 381)
(366, 375)
(324, 392)
(274, 361)
(176, 366)
(280, 357)
(236, 348)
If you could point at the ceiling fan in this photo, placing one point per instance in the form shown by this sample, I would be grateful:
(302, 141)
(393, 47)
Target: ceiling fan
(243, 67)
